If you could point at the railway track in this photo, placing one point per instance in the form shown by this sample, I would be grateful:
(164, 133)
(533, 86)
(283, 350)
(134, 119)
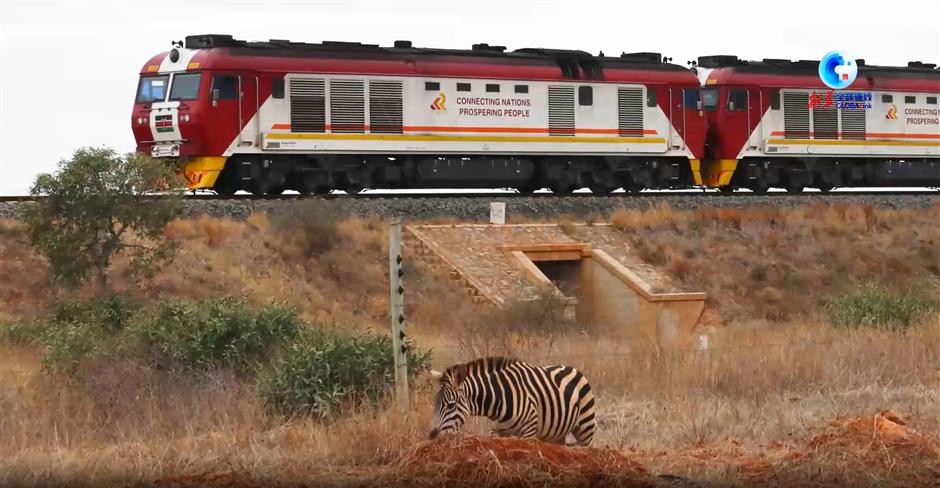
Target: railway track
(512, 195)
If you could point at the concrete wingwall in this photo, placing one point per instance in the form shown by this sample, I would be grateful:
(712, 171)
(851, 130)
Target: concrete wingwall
(613, 297)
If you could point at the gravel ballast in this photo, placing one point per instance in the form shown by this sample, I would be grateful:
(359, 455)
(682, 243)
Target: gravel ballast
(476, 208)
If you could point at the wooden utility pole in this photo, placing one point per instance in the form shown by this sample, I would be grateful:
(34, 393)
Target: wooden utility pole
(396, 299)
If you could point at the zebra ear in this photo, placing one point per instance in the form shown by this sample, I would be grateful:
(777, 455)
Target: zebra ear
(437, 375)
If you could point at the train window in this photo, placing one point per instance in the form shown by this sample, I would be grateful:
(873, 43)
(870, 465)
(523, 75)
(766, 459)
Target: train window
(152, 88)
(737, 101)
(185, 86)
(585, 96)
(277, 88)
(522, 88)
(887, 99)
(910, 99)
(690, 98)
(710, 99)
(432, 86)
(463, 86)
(492, 88)
(775, 101)
(650, 97)
(931, 100)
(225, 87)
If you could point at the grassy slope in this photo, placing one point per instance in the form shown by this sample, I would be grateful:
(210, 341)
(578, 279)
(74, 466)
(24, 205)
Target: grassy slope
(672, 409)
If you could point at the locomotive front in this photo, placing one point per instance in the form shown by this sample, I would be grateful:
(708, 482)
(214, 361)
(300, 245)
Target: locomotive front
(177, 102)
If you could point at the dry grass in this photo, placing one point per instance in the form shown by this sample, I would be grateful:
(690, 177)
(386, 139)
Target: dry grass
(141, 425)
(757, 263)
(733, 414)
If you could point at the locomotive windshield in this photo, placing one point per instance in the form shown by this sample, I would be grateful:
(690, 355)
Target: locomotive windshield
(185, 87)
(710, 98)
(152, 88)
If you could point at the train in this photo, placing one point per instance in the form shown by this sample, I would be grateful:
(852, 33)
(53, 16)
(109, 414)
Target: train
(270, 116)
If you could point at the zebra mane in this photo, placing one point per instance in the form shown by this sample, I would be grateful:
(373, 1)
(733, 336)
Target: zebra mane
(495, 363)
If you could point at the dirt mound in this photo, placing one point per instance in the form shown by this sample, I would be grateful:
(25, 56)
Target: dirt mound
(878, 450)
(458, 461)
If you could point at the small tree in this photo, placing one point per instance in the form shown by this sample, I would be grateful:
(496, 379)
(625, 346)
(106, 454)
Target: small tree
(96, 206)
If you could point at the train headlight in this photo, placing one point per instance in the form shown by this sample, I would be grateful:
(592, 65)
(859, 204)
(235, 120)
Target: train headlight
(185, 117)
(140, 121)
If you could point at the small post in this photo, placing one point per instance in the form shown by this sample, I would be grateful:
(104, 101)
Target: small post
(497, 213)
(702, 342)
(395, 274)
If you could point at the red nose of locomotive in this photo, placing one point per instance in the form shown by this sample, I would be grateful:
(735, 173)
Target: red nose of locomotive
(168, 111)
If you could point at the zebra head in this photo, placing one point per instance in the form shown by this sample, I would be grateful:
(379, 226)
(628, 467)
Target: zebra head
(451, 407)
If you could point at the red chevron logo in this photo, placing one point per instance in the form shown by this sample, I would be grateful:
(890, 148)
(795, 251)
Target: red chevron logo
(438, 103)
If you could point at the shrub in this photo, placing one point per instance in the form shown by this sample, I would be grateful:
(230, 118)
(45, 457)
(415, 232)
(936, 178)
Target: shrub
(325, 369)
(74, 329)
(222, 332)
(96, 207)
(67, 344)
(876, 305)
(14, 331)
(110, 313)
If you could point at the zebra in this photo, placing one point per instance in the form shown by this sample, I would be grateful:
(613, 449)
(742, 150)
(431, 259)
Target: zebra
(524, 400)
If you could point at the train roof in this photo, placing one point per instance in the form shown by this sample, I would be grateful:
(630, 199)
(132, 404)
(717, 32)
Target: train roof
(916, 76)
(570, 64)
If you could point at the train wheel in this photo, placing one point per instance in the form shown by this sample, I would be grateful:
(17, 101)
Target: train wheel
(825, 188)
(225, 190)
(601, 188)
(794, 188)
(759, 187)
(353, 189)
(633, 188)
(562, 187)
(262, 189)
(726, 189)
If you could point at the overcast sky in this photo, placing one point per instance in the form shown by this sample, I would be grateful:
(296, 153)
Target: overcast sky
(68, 70)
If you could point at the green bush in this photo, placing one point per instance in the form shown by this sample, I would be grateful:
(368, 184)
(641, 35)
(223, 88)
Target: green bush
(224, 332)
(75, 329)
(875, 305)
(13, 331)
(67, 344)
(327, 368)
(108, 313)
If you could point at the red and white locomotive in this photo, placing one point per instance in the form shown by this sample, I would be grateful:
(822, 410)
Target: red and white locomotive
(270, 116)
(773, 123)
(276, 115)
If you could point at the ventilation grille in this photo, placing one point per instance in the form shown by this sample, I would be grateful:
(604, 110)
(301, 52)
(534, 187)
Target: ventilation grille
(307, 105)
(853, 124)
(796, 115)
(561, 110)
(385, 107)
(630, 112)
(825, 123)
(347, 106)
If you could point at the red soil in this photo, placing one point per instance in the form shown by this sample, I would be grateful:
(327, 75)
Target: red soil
(458, 461)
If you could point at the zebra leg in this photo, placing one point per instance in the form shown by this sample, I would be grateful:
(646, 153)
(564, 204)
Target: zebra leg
(584, 431)
(585, 424)
(530, 427)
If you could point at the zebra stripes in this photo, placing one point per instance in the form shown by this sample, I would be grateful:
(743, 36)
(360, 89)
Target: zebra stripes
(524, 400)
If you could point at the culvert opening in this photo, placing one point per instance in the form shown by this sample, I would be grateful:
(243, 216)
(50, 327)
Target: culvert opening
(565, 275)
